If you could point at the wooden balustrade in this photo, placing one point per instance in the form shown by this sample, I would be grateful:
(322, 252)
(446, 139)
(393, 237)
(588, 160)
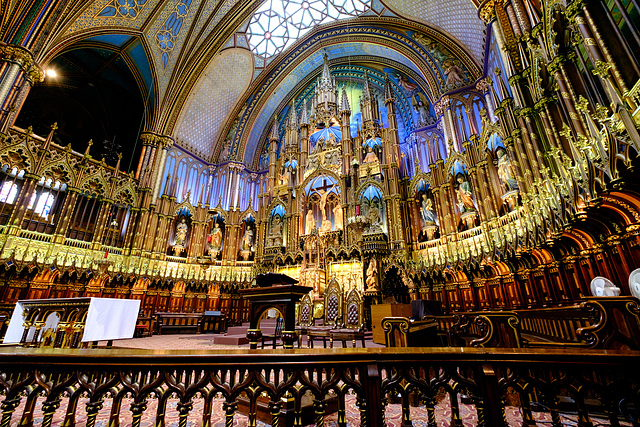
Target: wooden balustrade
(537, 383)
(605, 323)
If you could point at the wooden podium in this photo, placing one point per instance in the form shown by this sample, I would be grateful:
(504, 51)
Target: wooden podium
(380, 311)
(270, 294)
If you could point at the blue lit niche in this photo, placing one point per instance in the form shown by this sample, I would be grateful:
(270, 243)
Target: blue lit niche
(276, 226)
(323, 199)
(372, 206)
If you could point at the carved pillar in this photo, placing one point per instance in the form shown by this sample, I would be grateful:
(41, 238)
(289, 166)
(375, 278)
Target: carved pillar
(18, 72)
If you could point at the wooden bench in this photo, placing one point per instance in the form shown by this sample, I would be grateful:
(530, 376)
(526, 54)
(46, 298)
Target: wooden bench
(178, 323)
(593, 322)
(144, 327)
(402, 332)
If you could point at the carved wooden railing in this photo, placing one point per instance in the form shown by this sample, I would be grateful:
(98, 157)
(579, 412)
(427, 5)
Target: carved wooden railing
(605, 323)
(82, 385)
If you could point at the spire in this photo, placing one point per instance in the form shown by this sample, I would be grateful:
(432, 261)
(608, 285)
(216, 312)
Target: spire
(326, 75)
(304, 118)
(344, 105)
(388, 92)
(293, 117)
(366, 92)
(117, 168)
(275, 134)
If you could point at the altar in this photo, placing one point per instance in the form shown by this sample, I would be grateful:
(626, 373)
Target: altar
(67, 322)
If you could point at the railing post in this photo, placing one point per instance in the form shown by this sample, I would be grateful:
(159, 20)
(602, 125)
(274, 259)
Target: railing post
(93, 408)
(8, 406)
(492, 411)
(229, 410)
(370, 404)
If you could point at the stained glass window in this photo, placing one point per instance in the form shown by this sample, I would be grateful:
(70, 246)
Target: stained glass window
(8, 193)
(43, 206)
(278, 23)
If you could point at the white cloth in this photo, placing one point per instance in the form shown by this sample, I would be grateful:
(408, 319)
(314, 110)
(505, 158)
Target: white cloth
(107, 319)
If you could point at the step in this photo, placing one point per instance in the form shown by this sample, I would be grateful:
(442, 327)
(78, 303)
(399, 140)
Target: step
(237, 330)
(231, 339)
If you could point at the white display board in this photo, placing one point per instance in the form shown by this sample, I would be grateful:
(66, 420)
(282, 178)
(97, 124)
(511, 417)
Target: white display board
(107, 319)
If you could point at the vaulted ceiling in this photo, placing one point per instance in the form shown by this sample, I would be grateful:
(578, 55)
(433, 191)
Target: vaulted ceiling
(197, 77)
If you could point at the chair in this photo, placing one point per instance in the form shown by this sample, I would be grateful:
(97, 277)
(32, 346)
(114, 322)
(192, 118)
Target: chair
(276, 335)
(305, 317)
(332, 314)
(353, 328)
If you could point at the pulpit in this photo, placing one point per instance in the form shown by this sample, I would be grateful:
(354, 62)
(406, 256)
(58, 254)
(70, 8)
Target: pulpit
(277, 291)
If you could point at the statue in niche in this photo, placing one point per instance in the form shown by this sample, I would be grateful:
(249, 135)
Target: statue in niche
(310, 222)
(318, 147)
(465, 198)
(331, 143)
(215, 238)
(247, 239)
(372, 275)
(323, 203)
(371, 156)
(426, 211)
(421, 106)
(275, 234)
(505, 170)
(374, 220)
(285, 177)
(326, 224)
(338, 220)
(332, 158)
(181, 233)
(312, 163)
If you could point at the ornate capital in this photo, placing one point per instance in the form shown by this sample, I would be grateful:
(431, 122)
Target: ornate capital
(24, 58)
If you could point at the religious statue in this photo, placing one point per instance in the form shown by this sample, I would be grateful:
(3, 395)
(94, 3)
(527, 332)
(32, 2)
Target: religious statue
(422, 108)
(247, 239)
(285, 176)
(455, 75)
(215, 238)
(426, 211)
(338, 220)
(331, 143)
(114, 224)
(465, 199)
(310, 222)
(371, 156)
(374, 220)
(312, 163)
(323, 203)
(276, 230)
(505, 170)
(181, 233)
(372, 275)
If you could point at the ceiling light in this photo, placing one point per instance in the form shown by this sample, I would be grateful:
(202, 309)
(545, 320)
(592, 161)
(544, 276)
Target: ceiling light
(51, 73)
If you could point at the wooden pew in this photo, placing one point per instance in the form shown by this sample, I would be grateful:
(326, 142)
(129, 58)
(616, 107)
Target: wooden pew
(179, 323)
(596, 322)
(402, 332)
(593, 322)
